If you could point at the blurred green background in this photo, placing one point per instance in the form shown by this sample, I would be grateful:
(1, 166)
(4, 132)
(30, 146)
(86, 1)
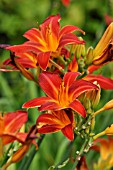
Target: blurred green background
(18, 16)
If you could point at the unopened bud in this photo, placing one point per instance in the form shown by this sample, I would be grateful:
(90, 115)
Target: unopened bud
(108, 105)
(79, 49)
(109, 130)
(18, 155)
(94, 95)
(89, 56)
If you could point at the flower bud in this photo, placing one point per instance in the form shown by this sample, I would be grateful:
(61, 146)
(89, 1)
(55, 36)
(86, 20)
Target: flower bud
(94, 95)
(108, 105)
(103, 50)
(79, 49)
(89, 56)
(109, 130)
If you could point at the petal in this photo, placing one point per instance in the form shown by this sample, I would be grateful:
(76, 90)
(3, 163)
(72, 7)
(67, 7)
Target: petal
(34, 35)
(78, 107)
(48, 129)
(43, 59)
(105, 83)
(68, 132)
(13, 121)
(50, 83)
(8, 138)
(37, 102)
(11, 137)
(52, 22)
(104, 149)
(49, 106)
(92, 68)
(47, 118)
(80, 86)
(73, 66)
(69, 39)
(70, 77)
(24, 48)
(68, 29)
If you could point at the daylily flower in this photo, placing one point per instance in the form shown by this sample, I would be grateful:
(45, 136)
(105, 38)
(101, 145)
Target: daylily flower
(57, 120)
(66, 2)
(45, 43)
(105, 147)
(103, 52)
(10, 124)
(61, 93)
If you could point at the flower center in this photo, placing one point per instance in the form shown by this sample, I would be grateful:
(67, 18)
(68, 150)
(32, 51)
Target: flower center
(63, 96)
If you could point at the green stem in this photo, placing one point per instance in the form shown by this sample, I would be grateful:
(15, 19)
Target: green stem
(99, 111)
(80, 154)
(28, 158)
(57, 66)
(98, 135)
(6, 157)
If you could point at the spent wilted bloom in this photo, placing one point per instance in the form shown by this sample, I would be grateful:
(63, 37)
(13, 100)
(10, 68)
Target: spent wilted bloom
(61, 93)
(45, 43)
(57, 120)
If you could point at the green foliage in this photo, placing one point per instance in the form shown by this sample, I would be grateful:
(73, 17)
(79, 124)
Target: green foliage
(18, 16)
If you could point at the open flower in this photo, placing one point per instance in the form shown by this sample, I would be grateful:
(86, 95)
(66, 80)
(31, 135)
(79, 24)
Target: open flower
(45, 42)
(105, 147)
(61, 93)
(57, 120)
(10, 124)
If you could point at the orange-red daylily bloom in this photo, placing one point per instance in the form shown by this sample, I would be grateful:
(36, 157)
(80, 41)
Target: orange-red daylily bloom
(61, 93)
(58, 120)
(45, 42)
(105, 147)
(10, 124)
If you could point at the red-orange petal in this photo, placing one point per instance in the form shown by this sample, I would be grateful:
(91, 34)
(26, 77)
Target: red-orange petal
(105, 83)
(68, 29)
(49, 106)
(37, 102)
(49, 129)
(13, 121)
(78, 107)
(46, 118)
(33, 35)
(68, 132)
(80, 86)
(50, 83)
(69, 39)
(70, 77)
(52, 22)
(43, 59)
